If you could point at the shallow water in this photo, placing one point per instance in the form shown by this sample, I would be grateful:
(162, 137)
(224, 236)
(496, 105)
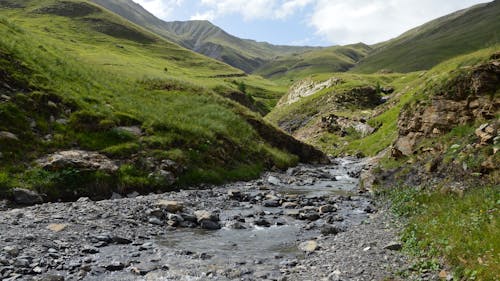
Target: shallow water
(263, 249)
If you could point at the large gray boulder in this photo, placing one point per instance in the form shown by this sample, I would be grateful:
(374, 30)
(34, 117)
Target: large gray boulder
(78, 159)
(26, 197)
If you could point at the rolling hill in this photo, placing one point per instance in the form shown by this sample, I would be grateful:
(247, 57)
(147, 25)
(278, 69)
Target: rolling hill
(77, 80)
(418, 49)
(423, 47)
(203, 37)
(325, 60)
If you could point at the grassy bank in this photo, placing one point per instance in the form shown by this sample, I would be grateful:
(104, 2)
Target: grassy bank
(73, 81)
(462, 228)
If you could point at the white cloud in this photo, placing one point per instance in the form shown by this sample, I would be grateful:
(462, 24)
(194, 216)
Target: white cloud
(334, 21)
(372, 21)
(208, 15)
(257, 9)
(163, 9)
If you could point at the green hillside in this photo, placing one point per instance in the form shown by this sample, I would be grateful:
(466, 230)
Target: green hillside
(326, 60)
(74, 76)
(355, 102)
(203, 37)
(441, 39)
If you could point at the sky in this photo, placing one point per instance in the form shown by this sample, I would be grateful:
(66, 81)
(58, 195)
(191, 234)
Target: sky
(309, 22)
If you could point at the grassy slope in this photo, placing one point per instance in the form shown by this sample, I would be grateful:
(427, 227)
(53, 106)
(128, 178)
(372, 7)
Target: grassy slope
(327, 60)
(441, 39)
(203, 37)
(115, 79)
(408, 87)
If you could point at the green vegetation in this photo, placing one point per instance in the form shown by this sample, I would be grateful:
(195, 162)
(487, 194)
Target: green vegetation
(203, 37)
(293, 67)
(72, 79)
(303, 118)
(439, 40)
(463, 229)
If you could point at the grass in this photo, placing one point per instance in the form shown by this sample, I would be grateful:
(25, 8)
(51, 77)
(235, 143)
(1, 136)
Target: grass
(303, 116)
(61, 68)
(463, 229)
(437, 41)
(286, 69)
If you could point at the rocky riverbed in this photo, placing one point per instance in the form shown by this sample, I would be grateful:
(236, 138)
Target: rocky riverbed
(308, 223)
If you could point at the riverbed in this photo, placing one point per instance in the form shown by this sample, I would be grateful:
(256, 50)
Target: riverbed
(306, 223)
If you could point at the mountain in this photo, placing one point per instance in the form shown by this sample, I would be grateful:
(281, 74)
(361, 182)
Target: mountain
(204, 37)
(91, 104)
(426, 46)
(325, 60)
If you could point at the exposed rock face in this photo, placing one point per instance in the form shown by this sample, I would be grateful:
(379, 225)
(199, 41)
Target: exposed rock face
(470, 96)
(362, 97)
(337, 124)
(306, 88)
(78, 159)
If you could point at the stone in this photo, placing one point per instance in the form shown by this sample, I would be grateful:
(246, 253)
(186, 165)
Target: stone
(203, 215)
(486, 133)
(26, 197)
(165, 177)
(78, 159)
(115, 266)
(327, 209)
(210, 225)
(12, 251)
(262, 222)
(115, 196)
(90, 250)
(143, 268)
(329, 229)
(289, 205)
(57, 227)
(234, 194)
(273, 180)
(394, 246)
(309, 246)
(310, 216)
(155, 220)
(133, 130)
(8, 136)
(271, 203)
(207, 220)
(120, 240)
(170, 206)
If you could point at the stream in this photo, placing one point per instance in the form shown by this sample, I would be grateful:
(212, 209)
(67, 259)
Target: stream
(257, 230)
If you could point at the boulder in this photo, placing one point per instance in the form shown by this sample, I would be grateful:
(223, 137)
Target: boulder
(203, 215)
(8, 136)
(208, 220)
(308, 246)
(78, 159)
(26, 197)
(486, 133)
(57, 227)
(170, 206)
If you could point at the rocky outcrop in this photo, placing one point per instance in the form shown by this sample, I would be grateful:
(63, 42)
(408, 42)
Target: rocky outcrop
(361, 97)
(472, 95)
(26, 197)
(306, 88)
(341, 125)
(77, 159)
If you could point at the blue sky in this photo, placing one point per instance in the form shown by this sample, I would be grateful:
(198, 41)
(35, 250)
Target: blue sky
(309, 22)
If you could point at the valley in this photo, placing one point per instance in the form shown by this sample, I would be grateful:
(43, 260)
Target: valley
(137, 149)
